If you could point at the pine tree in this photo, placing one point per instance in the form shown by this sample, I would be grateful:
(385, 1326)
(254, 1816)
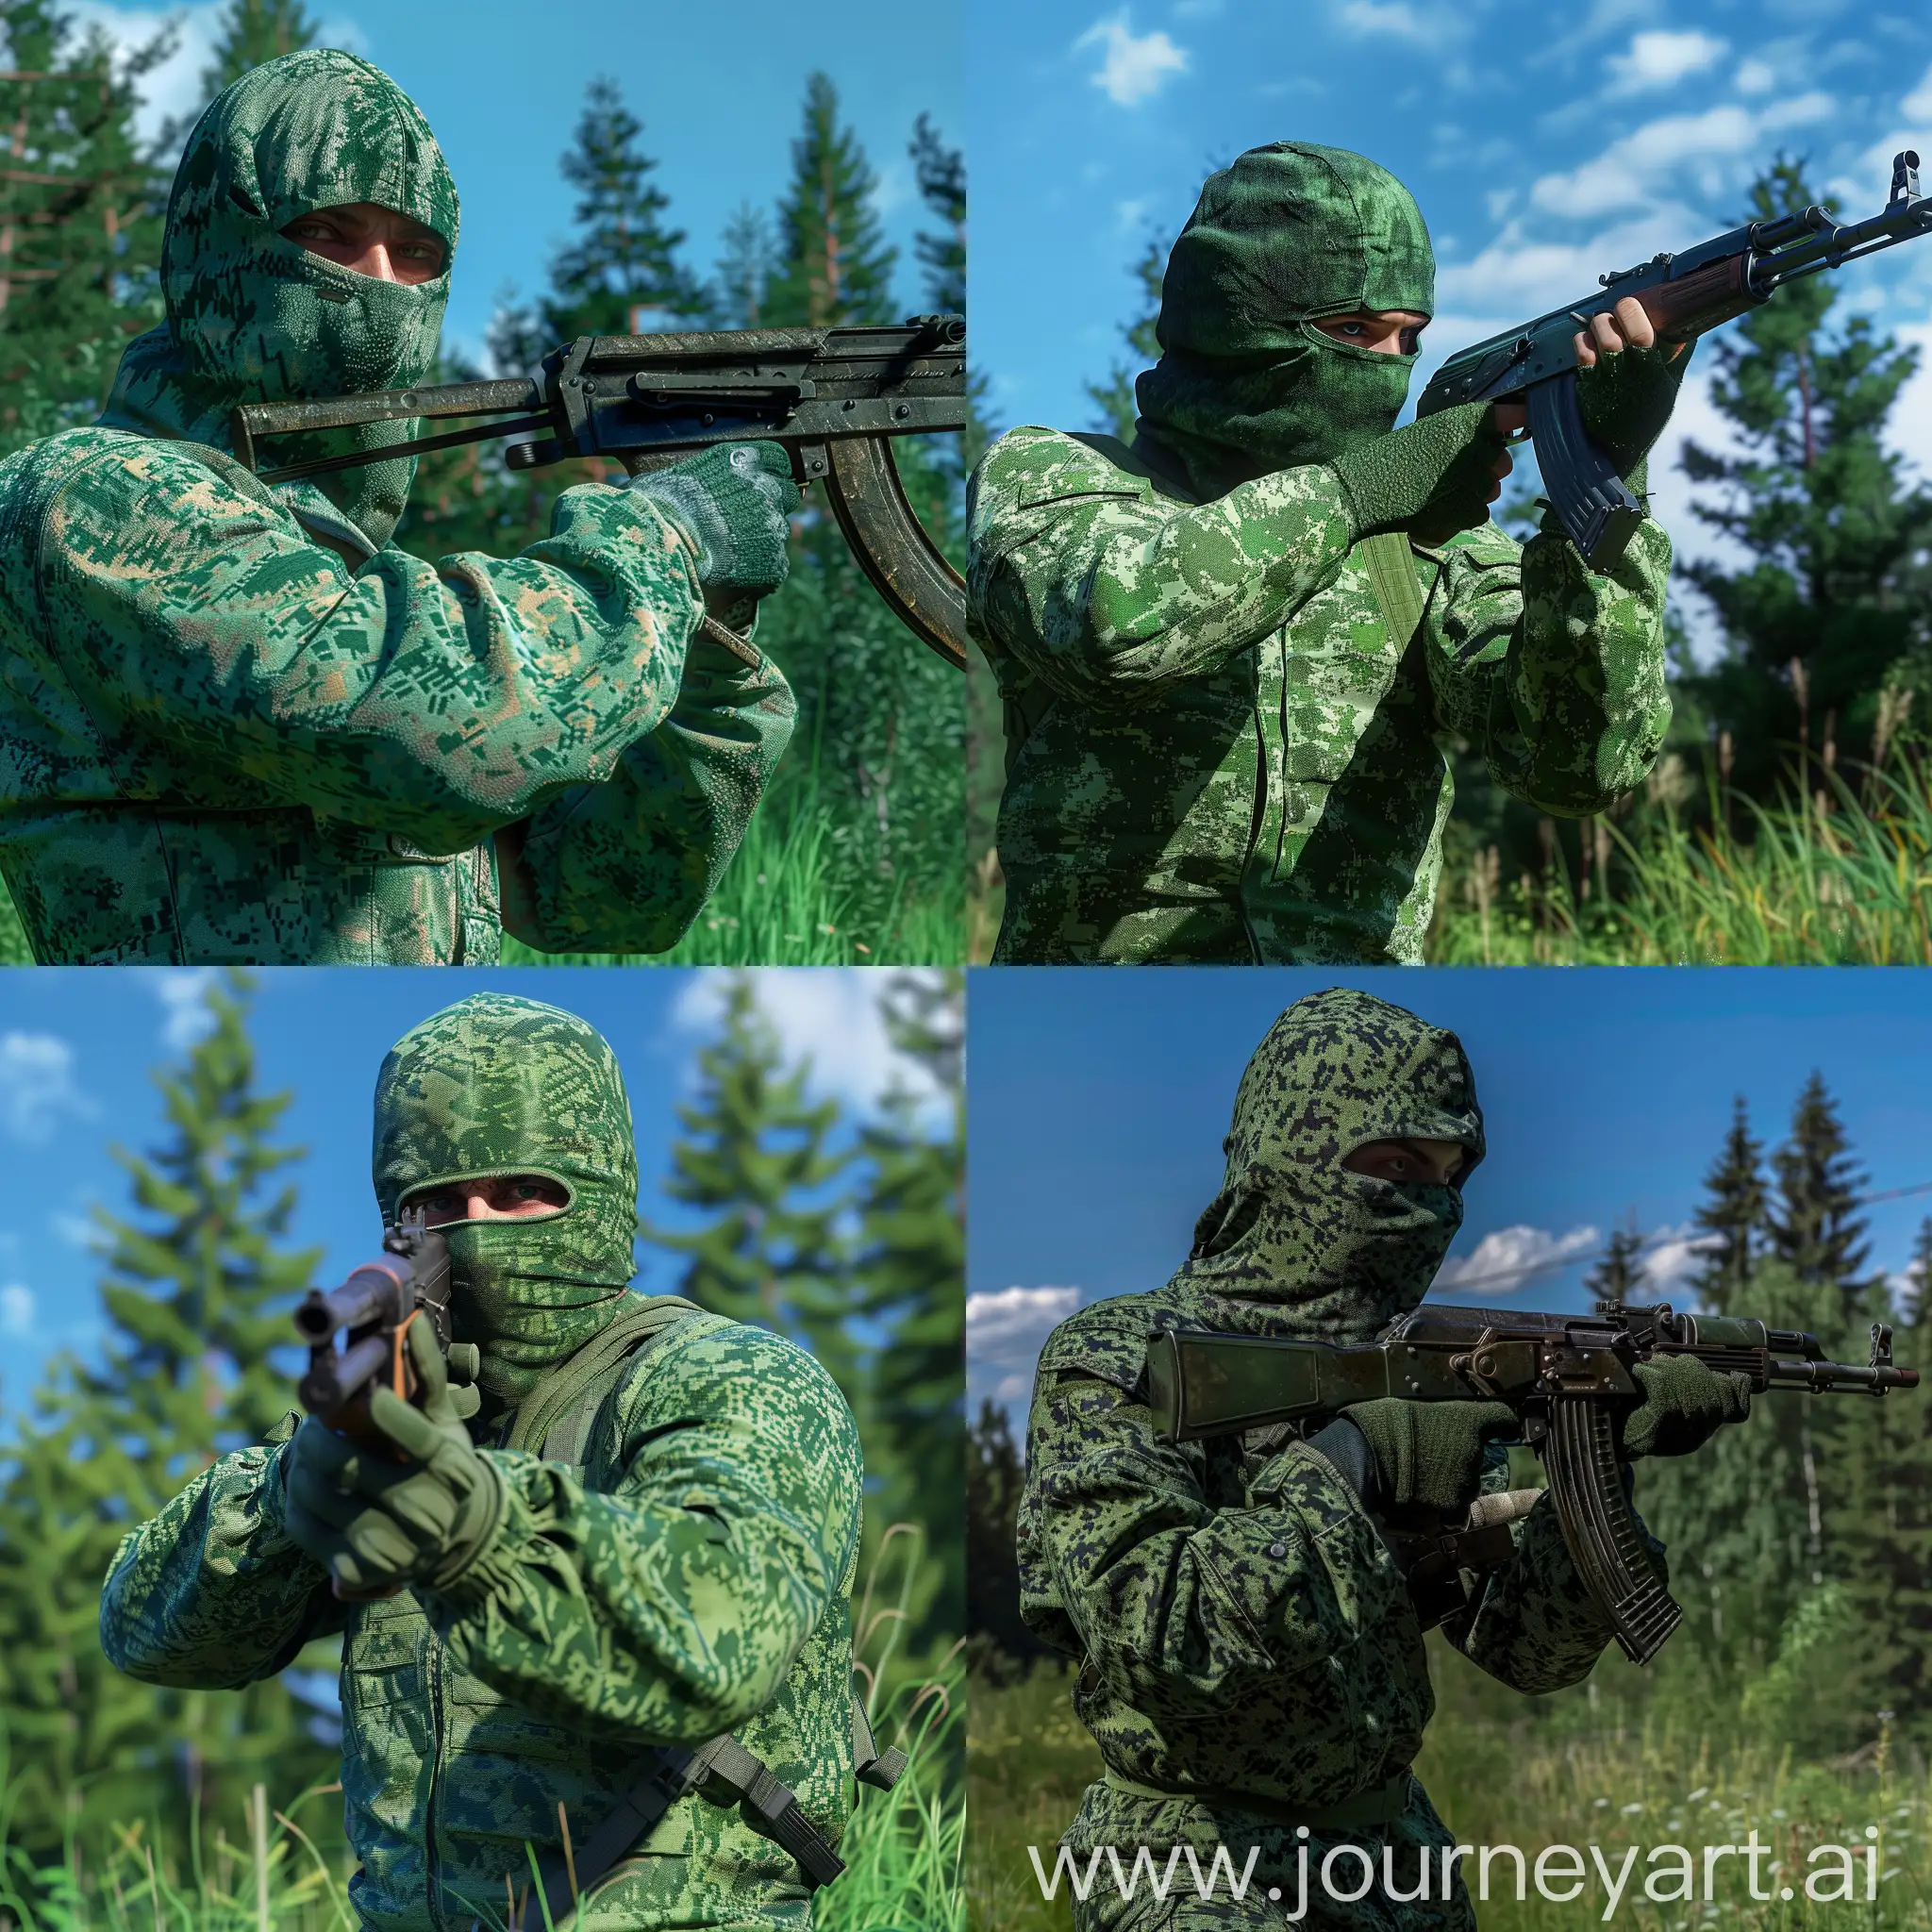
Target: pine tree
(909, 1284)
(940, 172)
(621, 277)
(252, 31)
(836, 266)
(1813, 1223)
(1113, 400)
(1836, 581)
(80, 207)
(1734, 1212)
(198, 1280)
(749, 252)
(1616, 1275)
(757, 1155)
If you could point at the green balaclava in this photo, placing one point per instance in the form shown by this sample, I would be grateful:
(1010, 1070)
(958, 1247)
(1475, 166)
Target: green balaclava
(1338, 1254)
(1246, 383)
(497, 1085)
(254, 317)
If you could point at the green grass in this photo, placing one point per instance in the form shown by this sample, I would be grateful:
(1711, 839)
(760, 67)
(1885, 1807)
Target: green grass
(1642, 1762)
(1826, 877)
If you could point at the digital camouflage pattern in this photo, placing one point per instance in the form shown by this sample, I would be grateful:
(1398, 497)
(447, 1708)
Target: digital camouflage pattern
(236, 725)
(1251, 1663)
(691, 1575)
(1218, 749)
(501, 1085)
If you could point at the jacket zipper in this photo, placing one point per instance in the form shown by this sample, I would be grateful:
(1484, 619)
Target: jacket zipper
(432, 1858)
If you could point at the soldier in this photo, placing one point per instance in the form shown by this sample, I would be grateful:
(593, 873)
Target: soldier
(236, 724)
(1232, 655)
(636, 1528)
(1251, 1661)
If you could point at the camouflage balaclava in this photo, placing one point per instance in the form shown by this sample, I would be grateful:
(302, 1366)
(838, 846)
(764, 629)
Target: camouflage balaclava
(254, 317)
(1246, 384)
(497, 1085)
(1342, 1254)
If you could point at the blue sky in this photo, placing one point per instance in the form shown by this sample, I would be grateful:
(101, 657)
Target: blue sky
(718, 88)
(1543, 144)
(1097, 1103)
(76, 1049)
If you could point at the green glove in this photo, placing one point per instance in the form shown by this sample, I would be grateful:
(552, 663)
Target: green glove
(1625, 400)
(734, 501)
(377, 1525)
(1685, 1403)
(1431, 478)
(1431, 1454)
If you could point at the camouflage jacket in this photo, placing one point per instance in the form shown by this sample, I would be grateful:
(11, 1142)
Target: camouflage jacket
(1216, 749)
(695, 1579)
(220, 742)
(1250, 1658)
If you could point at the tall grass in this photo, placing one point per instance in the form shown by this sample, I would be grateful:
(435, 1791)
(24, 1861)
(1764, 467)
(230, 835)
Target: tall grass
(1828, 875)
(1576, 1770)
(287, 1869)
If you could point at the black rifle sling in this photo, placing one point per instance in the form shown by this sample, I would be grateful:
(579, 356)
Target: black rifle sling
(565, 1409)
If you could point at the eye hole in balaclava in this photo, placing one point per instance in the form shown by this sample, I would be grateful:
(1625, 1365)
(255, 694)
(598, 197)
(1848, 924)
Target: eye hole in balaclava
(255, 317)
(1246, 383)
(498, 1086)
(1345, 1253)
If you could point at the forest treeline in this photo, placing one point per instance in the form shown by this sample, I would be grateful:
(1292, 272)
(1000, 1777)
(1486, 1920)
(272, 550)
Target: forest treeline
(1799, 1542)
(842, 1233)
(864, 816)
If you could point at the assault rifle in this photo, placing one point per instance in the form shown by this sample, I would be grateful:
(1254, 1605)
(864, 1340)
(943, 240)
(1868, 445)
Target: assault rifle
(1685, 295)
(1566, 1377)
(833, 397)
(375, 1306)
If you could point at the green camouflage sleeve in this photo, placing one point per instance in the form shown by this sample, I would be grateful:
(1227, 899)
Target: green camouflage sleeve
(212, 1593)
(671, 1609)
(1108, 593)
(1188, 1611)
(1531, 1624)
(194, 615)
(626, 866)
(1555, 672)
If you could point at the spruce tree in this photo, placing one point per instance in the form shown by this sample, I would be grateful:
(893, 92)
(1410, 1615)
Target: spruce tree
(836, 266)
(1616, 1275)
(1917, 1315)
(995, 1477)
(1733, 1211)
(748, 254)
(1835, 539)
(80, 208)
(909, 1284)
(252, 31)
(940, 172)
(1813, 1223)
(620, 275)
(198, 1281)
(1113, 400)
(756, 1154)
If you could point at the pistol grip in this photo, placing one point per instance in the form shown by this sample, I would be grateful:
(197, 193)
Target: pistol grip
(1595, 503)
(1600, 1527)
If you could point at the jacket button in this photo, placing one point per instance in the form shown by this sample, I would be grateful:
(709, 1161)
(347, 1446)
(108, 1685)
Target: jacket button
(1278, 1551)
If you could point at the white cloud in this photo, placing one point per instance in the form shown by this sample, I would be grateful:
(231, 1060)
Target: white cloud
(16, 1309)
(1755, 77)
(37, 1087)
(1393, 17)
(1670, 1255)
(75, 1227)
(895, 187)
(1660, 59)
(1012, 1323)
(183, 994)
(1506, 1257)
(830, 1014)
(1917, 105)
(1132, 69)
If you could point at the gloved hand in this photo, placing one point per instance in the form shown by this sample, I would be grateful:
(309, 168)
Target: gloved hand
(1430, 478)
(377, 1525)
(1685, 1403)
(734, 502)
(1626, 398)
(1431, 1454)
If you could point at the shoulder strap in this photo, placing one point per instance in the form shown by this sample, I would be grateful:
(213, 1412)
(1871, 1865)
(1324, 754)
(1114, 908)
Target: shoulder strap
(642, 1324)
(1391, 565)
